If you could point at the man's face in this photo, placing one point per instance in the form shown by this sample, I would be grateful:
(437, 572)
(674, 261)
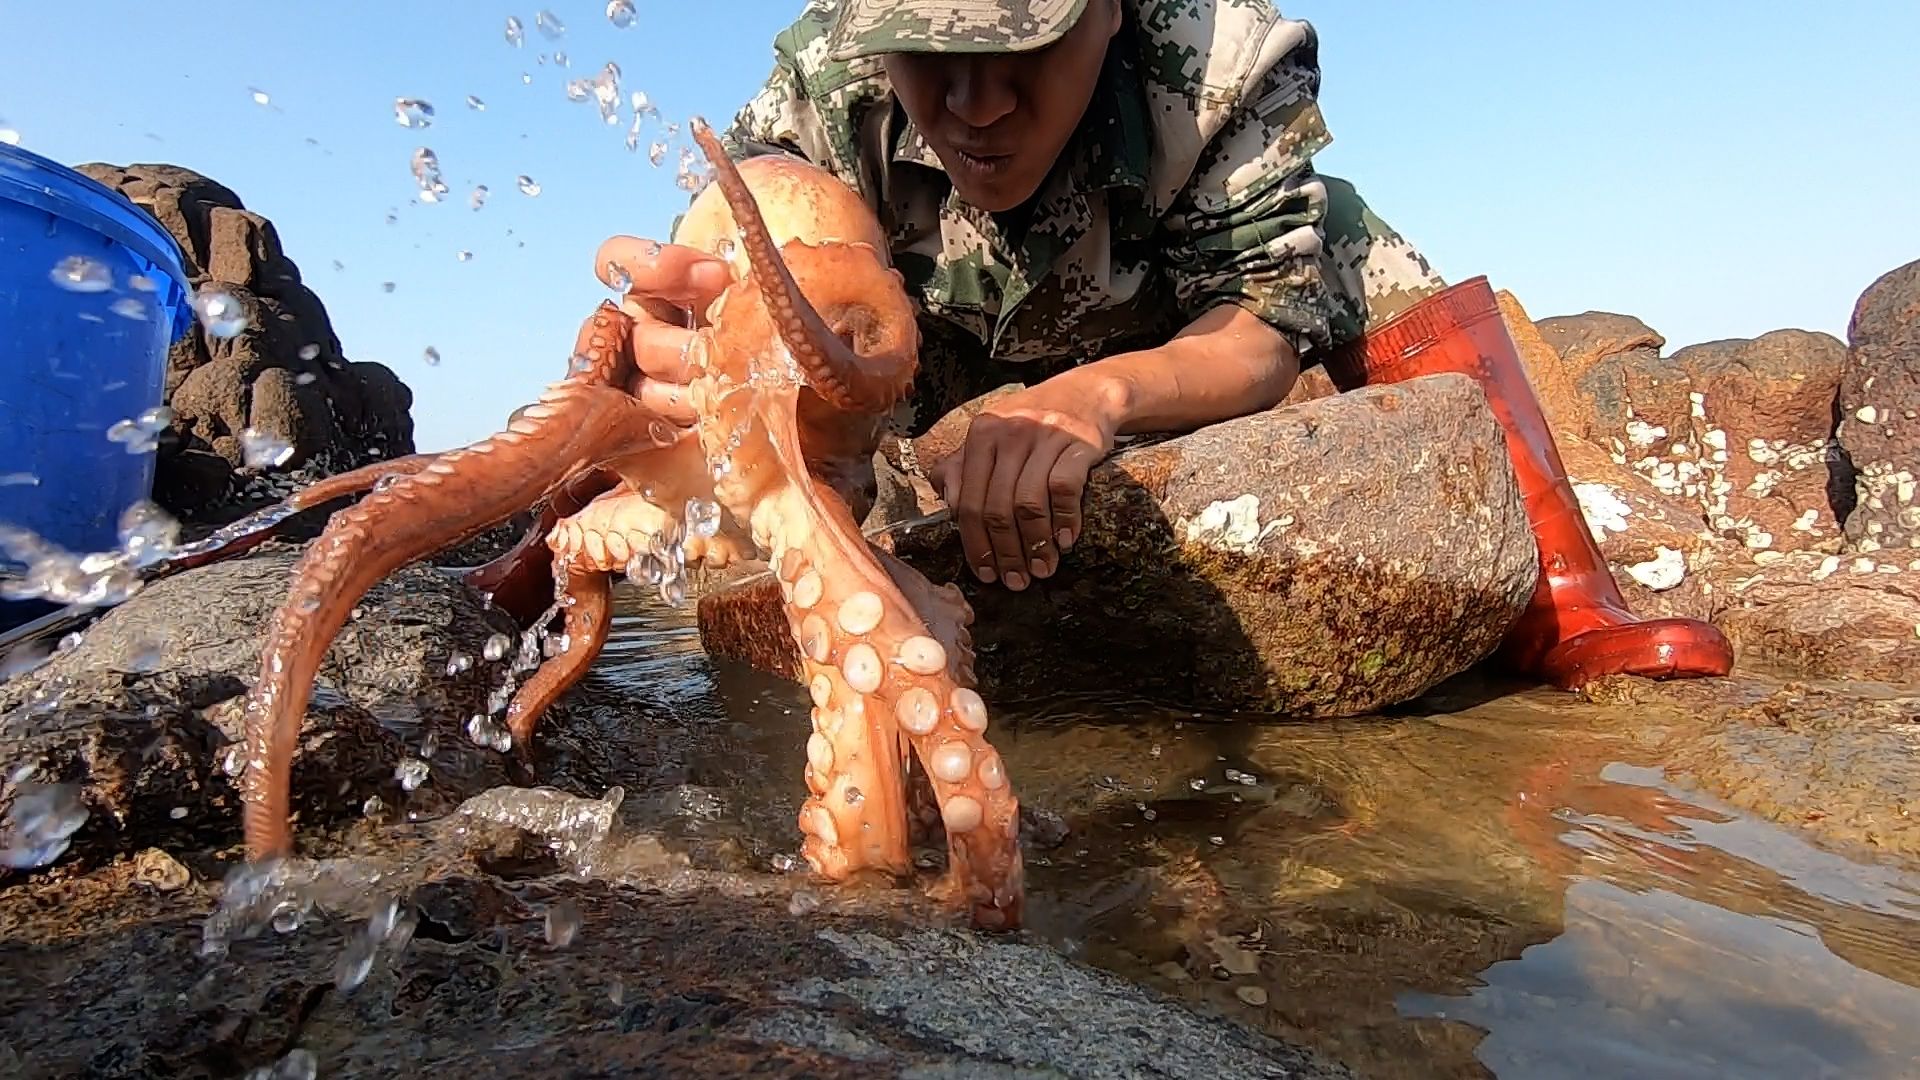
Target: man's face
(998, 122)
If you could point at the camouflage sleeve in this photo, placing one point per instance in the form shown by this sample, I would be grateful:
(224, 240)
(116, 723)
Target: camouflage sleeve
(1248, 228)
(780, 119)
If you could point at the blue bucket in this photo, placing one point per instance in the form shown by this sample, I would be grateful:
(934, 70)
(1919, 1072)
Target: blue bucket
(76, 361)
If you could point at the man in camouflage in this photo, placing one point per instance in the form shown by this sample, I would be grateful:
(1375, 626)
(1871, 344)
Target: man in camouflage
(1113, 202)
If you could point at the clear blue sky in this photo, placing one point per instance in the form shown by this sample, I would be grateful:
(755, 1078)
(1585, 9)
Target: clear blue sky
(1718, 167)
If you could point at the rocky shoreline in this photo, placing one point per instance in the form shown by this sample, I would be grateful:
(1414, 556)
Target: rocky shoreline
(1767, 485)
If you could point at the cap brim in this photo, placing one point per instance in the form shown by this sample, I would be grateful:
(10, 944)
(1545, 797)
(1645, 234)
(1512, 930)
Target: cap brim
(877, 27)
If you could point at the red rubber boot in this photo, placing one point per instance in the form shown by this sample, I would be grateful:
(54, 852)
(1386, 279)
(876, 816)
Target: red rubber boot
(1577, 626)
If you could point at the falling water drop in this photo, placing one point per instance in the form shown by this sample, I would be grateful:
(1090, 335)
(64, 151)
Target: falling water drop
(220, 312)
(476, 104)
(620, 13)
(549, 25)
(431, 356)
(77, 273)
(527, 186)
(516, 35)
(412, 112)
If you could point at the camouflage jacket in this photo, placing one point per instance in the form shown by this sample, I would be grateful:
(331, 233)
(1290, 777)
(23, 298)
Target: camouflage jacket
(1189, 184)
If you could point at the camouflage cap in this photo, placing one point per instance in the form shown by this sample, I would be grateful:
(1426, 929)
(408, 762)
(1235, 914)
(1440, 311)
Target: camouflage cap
(872, 27)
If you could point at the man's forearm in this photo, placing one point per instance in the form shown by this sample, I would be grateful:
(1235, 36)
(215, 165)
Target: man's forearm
(1225, 364)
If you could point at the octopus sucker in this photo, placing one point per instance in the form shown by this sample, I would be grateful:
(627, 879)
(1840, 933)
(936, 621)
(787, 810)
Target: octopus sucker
(795, 367)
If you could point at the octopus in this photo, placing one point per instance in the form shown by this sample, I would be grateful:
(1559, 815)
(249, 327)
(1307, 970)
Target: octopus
(795, 367)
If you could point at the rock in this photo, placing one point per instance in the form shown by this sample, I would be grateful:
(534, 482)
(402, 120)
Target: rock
(1592, 337)
(1567, 412)
(1326, 559)
(1738, 428)
(1848, 617)
(144, 712)
(283, 375)
(1658, 548)
(1835, 760)
(1879, 406)
(655, 982)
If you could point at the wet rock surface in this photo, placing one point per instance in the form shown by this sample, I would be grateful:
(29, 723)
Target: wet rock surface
(1251, 565)
(1834, 760)
(144, 716)
(520, 969)
(1879, 413)
(283, 376)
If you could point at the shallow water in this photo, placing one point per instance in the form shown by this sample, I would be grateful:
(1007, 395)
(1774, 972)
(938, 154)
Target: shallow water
(1506, 886)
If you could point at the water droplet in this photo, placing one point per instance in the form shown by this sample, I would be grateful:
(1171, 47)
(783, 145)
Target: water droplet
(412, 112)
(431, 356)
(496, 647)
(563, 922)
(142, 283)
(657, 152)
(129, 307)
(476, 104)
(516, 35)
(703, 517)
(305, 378)
(299, 1064)
(355, 962)
(527, 186)
(77, 273)
(411, 772)
(9, 136)
(673, 591)
(386, 286)
(618, 279)
(464, 256)
(264, 451)
(220, 312)
(41, 823)
(478, 197)
(854, 796)
(259, 96)
(620, 13)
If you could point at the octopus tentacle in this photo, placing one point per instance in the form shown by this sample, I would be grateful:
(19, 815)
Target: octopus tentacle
(587, 611)
(869, 378)
(880, 675)
(521, 581)
(574, 427)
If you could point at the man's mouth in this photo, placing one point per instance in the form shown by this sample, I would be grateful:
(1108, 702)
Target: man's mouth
(981, 162)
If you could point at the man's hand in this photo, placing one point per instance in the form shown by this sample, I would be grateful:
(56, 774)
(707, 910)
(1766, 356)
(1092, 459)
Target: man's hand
(666, 284)
(1016, 482)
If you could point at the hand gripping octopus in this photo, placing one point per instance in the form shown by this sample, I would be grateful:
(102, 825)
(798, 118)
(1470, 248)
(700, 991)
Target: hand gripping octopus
(795, 365)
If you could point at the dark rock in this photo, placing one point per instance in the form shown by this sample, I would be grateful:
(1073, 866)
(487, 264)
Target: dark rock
(144, 713)
(1879, 408)
(1326, 559)
(336, 414)
(655, 984)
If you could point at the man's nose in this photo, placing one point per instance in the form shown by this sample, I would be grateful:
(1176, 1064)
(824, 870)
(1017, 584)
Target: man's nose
(980, 93)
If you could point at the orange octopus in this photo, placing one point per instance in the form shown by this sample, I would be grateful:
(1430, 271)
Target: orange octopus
(795, 367)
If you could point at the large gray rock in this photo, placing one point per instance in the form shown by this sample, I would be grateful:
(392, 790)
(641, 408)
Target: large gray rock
(1326, 559)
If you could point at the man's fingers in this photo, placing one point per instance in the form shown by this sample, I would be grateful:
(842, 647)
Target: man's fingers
(1033, 506)
(968, 494)
(686, 276)
(997, 511)
(660, 350)
(1067, 489)
(670, 400)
